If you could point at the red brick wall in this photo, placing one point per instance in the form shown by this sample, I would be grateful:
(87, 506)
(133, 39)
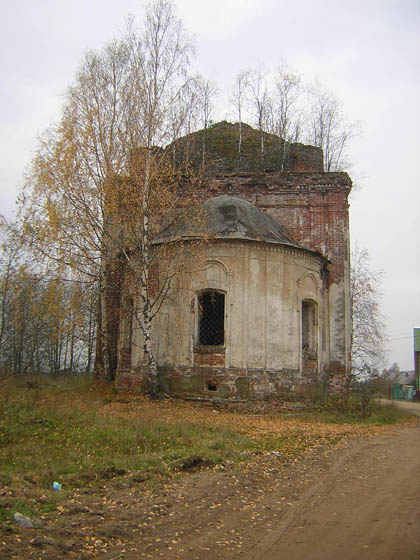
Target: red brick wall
(153, 283)
(313, 207)
(209, 358)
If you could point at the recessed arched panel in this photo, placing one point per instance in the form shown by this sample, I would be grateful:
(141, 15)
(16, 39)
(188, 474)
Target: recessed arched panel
(309, 285)
(215, 274)
(212, 263)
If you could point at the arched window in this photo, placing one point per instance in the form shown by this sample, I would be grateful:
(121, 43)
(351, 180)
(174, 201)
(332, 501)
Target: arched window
(211, 318)
(309, 328)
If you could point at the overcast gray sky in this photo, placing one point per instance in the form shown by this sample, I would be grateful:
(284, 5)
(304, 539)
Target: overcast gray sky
(366, 51)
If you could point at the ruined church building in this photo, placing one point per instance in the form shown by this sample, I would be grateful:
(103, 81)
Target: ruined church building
(269, 312)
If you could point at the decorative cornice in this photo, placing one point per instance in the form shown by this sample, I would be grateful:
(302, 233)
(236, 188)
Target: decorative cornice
(273, 247)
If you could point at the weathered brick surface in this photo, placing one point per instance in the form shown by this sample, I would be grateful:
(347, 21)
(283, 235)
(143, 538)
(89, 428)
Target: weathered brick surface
(313, 207)
(124, 360)
(232, 384)
(202, 358)
(236, 384)
(309, 366)
(153, 283)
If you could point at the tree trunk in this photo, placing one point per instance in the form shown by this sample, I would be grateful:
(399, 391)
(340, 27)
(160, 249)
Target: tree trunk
(102, 361)
(91, 334)
(239, 143)
(262, 146)
(144, 284)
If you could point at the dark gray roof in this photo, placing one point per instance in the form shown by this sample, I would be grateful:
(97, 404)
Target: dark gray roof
(228, 217)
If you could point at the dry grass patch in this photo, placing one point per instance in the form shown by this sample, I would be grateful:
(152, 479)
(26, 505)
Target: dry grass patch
(84, 434)
(60, 428)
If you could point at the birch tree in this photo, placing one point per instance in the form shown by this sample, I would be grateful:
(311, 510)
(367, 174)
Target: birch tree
(258, 95)
(287, 114)
(10, 249)
(237, 101)
(105, 165)
(368, 325)
(328, 128)
(205, 92)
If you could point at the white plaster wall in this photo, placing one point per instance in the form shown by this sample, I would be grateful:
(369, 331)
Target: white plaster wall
(264, 287)
(255, 312)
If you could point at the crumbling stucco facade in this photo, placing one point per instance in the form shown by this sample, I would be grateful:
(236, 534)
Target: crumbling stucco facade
(286, 304)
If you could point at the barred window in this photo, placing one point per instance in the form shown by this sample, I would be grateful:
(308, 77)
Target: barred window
(211, 318)
(309, 329)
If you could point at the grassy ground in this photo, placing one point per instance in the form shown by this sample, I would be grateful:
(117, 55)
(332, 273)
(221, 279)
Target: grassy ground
(80, 434)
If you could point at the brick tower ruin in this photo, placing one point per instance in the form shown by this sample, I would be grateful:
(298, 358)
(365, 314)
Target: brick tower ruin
(288, 182)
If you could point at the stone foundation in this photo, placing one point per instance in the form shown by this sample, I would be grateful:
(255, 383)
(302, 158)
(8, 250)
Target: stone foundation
(230, 385)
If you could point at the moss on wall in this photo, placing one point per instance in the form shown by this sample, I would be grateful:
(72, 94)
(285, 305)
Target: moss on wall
(217, 148)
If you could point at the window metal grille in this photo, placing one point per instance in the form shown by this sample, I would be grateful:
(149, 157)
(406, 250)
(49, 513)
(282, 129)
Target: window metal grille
(309, 327)
(305, 326)
(211, 322)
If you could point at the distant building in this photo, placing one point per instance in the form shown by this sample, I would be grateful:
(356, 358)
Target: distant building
(405, 378)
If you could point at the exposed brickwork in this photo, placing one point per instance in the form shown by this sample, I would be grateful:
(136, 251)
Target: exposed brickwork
(313, 207)
(209, 358)
(124, 364)
(288, 183)
(232, 384)
(336, 367)
(153, 284)
(303, 159)
(337, 384)
(309, 366)
(130, 380)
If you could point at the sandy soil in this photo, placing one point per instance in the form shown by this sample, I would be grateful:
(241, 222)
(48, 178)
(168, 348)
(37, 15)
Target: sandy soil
(359, 501)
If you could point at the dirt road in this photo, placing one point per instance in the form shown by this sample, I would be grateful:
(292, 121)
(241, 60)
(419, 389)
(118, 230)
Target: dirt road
(366, 506)
(409, 406)
(360, 501)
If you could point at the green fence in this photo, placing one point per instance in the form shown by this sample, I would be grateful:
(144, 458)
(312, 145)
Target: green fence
(403, 392)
